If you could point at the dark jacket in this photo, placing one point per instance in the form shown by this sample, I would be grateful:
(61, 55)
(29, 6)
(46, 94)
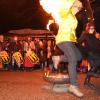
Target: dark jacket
(91, 44)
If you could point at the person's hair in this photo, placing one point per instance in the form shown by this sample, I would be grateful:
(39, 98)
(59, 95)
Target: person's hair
(54, 27)
(88, 25)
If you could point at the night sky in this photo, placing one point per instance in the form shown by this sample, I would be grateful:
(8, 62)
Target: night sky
(17, 14)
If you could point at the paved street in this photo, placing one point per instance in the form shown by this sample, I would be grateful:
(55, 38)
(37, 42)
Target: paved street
(29, 86)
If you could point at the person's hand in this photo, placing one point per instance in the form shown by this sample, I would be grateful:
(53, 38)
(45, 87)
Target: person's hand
(77, 6)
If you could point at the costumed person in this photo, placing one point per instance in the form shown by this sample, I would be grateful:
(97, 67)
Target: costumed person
(64, 14)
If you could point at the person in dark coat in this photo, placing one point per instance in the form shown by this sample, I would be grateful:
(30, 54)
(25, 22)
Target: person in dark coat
(90, 47)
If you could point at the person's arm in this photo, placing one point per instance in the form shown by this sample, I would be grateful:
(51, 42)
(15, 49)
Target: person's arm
(65, 7)
(82, 38)
(76, 7)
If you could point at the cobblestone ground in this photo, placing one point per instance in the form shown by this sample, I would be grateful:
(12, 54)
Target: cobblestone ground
(28, 86)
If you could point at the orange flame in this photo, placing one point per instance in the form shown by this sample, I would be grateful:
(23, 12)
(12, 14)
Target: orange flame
(54, 7)
(58, 8)
(51, 6)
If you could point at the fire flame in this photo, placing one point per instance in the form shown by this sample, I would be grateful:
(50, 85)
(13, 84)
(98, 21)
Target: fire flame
(50, 22)
(54, 7)
(58, 8)
(51, 6)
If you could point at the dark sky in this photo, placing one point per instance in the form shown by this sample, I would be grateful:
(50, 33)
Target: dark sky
(15, 14)
(97, 15)
(22, 13)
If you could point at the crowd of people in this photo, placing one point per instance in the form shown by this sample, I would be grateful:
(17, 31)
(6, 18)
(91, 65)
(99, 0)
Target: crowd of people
(25, 54)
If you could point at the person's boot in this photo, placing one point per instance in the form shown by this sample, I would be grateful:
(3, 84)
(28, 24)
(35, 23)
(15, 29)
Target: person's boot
(87, 82)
